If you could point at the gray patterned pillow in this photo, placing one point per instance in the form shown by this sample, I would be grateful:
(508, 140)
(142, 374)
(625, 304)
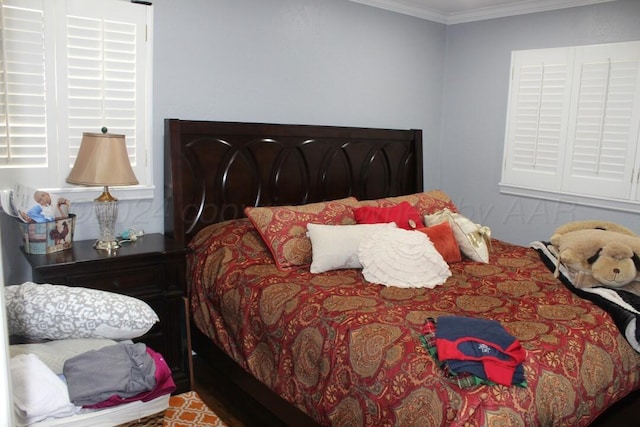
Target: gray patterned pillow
(43, 311)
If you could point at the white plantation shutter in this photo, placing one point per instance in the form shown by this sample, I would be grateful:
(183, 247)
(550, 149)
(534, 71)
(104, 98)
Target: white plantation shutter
(540, 95)
(104, 73)
(573, 123)
(97, 56)
(25, 96)
(603, 137)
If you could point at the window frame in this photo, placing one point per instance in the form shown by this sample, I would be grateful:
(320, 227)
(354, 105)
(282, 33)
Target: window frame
(556, 183)
(59, 139)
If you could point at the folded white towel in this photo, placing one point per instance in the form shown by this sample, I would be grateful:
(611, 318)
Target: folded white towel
(38, 393)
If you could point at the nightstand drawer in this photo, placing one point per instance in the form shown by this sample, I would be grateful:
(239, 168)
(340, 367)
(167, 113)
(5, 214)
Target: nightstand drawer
(128, 281)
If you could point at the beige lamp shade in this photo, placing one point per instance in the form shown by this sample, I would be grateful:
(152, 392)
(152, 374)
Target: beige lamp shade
(102, 161)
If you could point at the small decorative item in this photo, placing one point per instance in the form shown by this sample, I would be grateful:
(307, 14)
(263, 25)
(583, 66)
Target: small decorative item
(48, 237)
(44, 220)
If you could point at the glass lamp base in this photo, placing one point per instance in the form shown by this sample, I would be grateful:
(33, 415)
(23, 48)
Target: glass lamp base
(106, 207)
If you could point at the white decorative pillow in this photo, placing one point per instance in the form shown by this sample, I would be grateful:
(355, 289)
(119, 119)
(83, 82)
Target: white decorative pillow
(473, 239)
(402, 258)
(335, 247)
(43, 311)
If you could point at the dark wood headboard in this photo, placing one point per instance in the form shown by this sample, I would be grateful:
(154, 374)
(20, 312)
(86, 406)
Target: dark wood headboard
(213, 170)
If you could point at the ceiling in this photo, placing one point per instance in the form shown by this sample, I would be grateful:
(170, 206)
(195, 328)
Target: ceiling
(458, 11)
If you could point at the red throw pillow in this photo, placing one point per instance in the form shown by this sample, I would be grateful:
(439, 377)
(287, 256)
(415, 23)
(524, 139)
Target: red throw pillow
(404, 215)
(441, 235)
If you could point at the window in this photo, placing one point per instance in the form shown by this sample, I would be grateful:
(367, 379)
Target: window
(573, 125)
(68, 67)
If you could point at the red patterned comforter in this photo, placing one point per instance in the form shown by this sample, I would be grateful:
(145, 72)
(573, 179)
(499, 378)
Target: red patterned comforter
(349, 353)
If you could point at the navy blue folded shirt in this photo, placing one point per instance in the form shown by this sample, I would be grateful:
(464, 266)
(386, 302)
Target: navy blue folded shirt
(482, 347)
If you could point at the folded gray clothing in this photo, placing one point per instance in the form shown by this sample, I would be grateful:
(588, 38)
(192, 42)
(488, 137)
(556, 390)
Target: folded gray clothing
(121, 369)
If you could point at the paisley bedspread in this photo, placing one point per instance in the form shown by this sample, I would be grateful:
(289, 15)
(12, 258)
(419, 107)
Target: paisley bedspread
(349, 353)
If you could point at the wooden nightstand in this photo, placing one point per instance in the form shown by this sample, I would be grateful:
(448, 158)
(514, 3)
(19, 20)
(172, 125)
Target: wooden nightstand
(151, 269)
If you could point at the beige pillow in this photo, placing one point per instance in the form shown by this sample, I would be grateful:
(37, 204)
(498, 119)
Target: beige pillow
(55, 353)
(473, 239)
(335, 247)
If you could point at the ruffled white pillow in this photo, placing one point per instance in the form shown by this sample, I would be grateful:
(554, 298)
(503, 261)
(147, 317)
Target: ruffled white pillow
(473, 239)
(402, 258)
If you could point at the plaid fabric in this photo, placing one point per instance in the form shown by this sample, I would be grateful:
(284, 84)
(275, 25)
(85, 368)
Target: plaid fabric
(462, 379)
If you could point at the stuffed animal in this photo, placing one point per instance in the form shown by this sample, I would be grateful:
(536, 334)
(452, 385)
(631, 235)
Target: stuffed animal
(599, 256)
(593, 225)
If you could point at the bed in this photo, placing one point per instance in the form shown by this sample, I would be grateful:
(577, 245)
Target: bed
(330, 348)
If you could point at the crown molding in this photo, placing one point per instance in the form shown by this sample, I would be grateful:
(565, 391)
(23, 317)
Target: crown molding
(414, 8)
(407, 8)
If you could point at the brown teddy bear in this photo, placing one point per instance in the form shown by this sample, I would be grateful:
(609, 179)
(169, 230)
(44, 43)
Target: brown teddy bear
(593, 225)
(598, 255)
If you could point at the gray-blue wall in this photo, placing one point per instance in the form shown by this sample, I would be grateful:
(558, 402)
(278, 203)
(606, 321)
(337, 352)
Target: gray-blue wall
(323, 62)
(342, 63)
(477, 65)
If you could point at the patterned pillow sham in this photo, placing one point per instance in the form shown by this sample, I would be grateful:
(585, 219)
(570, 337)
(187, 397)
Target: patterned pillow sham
(55, 312)
(426, 203)
(284, 228)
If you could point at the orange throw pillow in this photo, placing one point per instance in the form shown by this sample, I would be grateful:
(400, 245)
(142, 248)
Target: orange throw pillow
(441, 235)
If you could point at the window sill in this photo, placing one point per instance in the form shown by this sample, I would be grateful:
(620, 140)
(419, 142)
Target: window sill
(87, 194)
(596, 202)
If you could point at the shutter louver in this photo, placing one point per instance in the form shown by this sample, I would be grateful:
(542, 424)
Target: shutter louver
(101, 80)
(23, 115)
(536, 125)
(69, 67)
(573, 125)
(604, 136)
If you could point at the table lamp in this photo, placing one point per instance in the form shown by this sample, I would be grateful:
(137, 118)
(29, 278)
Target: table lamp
(103, 161)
